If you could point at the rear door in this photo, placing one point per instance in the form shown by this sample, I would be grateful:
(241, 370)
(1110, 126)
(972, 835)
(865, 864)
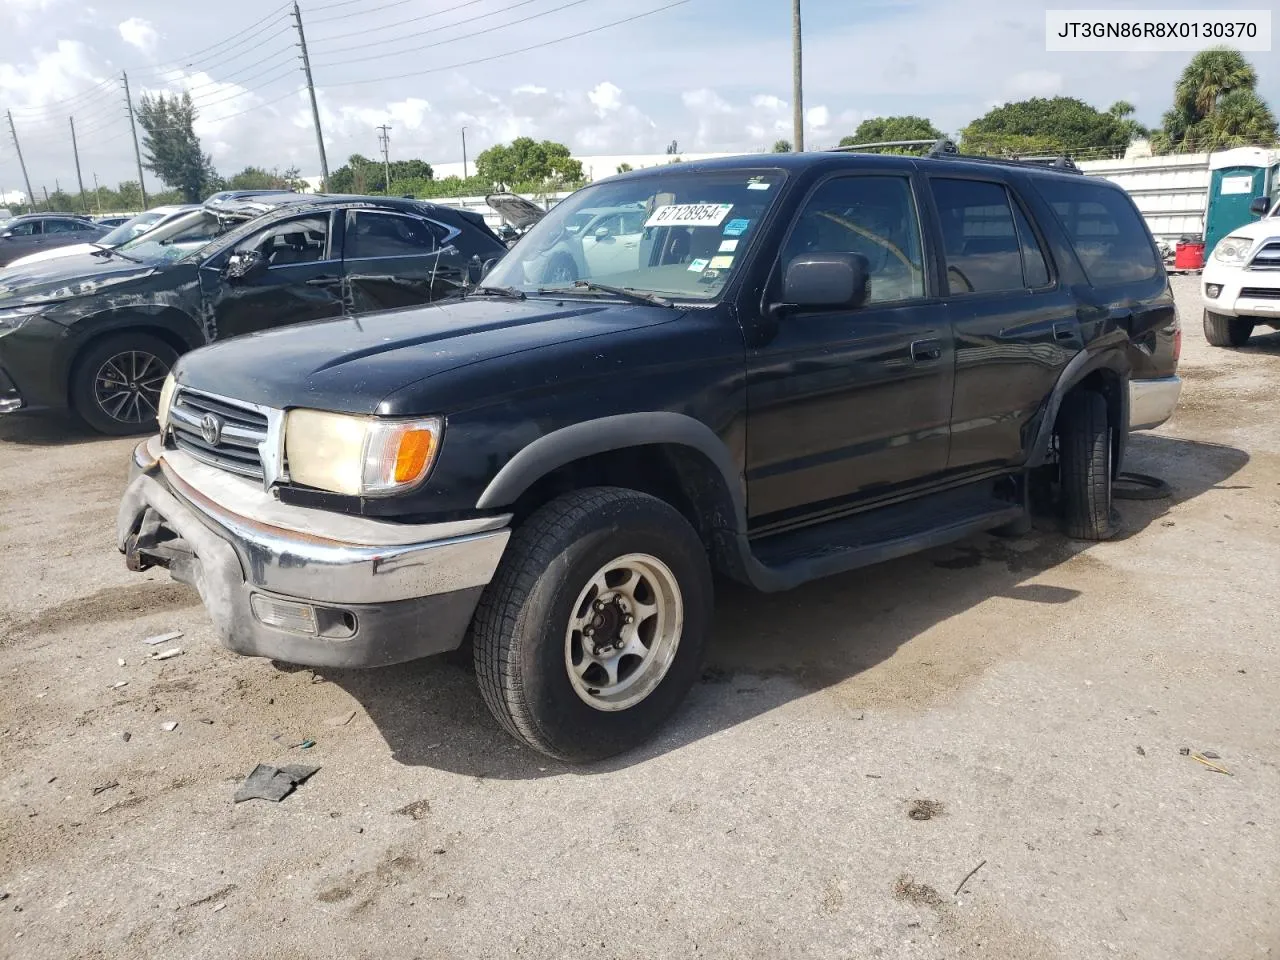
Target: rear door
(1015, 325)
(303, 279)
(392, 259)
(20, 239)
(850, 404)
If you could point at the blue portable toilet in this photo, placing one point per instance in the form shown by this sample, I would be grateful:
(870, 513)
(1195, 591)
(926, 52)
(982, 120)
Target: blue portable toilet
(1236, 177)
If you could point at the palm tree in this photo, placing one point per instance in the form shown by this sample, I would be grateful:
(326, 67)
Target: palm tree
(782, 146)
(1240, 118)
(1210, 75)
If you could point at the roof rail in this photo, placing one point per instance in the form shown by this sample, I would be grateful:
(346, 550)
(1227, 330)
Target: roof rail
(1058, 163)
(937, 148)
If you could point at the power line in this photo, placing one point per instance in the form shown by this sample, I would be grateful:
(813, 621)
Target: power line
(359, 13)
(458, 23)
(198, 66)
(60, 106)
(187, 59)
(402, 23)
(509, 53)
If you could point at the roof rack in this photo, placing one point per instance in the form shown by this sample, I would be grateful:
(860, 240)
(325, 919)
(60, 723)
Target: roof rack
(944, 148)
(937, 148)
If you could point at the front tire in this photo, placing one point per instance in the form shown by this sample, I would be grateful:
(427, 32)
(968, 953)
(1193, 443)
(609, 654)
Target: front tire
(1084, 466)
(1224, 331)
(115, 384)
(594, 626)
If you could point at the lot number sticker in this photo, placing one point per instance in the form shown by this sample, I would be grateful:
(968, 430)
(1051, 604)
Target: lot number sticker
(689, 215)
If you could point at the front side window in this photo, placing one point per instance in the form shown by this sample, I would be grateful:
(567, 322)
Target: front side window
(371, 234)
(27, 228)
(304, 240)
(1105, 229)
(873, 217)
(674, 234)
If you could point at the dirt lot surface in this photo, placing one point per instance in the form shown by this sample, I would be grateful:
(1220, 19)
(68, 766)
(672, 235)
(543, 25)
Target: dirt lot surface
(857, 747)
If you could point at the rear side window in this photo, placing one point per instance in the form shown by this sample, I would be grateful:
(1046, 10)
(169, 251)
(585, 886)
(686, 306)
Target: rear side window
(61, 226)
(372, 234)
(1106, 231)
(988, 243)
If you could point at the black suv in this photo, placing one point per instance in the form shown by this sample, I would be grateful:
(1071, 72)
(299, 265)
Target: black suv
(799, 365)
(99, 332)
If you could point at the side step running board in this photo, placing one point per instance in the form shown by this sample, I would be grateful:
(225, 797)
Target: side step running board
(786, 560)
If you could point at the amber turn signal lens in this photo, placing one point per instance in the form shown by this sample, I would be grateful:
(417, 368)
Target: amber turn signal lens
(413, 455)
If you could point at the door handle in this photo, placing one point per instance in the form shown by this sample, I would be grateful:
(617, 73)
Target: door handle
(1064, 331)
(323, 281)
(926, 351)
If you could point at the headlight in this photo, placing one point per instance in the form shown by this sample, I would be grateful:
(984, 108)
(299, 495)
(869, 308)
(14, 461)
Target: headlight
(359, 456)
(1232, 250)
(14, 317)
(166, 401)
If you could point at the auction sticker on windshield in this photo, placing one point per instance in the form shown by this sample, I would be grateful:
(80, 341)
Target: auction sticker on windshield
(689, 215)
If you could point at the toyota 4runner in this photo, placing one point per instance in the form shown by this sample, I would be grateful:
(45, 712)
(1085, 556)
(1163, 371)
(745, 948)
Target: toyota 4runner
(788, 367)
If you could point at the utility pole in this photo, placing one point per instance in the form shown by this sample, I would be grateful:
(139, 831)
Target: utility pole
(311, 89)
(384, 140)
(137, 152)
(76, 151)
(97, 193)
(31, 197)
(464, 153)
(46, 198)
(797, 80)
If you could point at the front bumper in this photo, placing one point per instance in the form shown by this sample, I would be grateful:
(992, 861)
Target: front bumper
(1151, 402)
(1233, 301)
(302, 585)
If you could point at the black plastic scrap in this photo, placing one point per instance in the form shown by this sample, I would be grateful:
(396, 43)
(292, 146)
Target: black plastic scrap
(273, 783)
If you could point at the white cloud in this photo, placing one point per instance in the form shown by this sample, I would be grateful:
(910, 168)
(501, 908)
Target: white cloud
(139, 33)
(1034, 83)
(606, 97)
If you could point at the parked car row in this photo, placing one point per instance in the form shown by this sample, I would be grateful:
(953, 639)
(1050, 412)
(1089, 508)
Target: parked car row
(99, 328)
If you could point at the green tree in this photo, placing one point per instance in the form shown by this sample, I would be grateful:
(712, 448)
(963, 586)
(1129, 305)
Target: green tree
(782, 146)
(882, 129)
(525, 161)
(624, 168)
(361, 175)
(172, 148)
(1215, 105)
(1123, 111)
(256, 178)
(1043, 125)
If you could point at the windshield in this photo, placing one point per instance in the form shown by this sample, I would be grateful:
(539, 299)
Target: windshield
(177, 239)
(130, 229)
(677, 234)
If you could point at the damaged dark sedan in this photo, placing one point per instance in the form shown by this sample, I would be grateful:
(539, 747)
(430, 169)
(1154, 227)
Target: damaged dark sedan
(98, 333)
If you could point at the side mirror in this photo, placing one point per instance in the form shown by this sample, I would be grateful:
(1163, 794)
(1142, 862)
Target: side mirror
(7, 235)
(245, 267)
(601, 233)
(1259, 206)
(825, 281)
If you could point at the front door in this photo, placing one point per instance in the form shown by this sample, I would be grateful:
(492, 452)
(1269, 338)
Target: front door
(399, 260)
(303, 279)
(612, 244)
(847, 405)
(1015, 326)
(20, 239)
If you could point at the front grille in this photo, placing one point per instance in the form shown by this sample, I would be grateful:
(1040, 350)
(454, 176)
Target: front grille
(1260, 293)
(243, 429)
(1268, 257)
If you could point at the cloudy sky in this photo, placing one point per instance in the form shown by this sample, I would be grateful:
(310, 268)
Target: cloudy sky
(711, 74)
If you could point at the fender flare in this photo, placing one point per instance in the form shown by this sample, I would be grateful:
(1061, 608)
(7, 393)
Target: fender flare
(1080, 366)
(603, 434)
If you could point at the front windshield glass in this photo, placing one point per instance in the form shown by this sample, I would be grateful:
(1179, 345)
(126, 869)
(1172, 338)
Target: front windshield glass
(130, 229)
(177, 239)
(678, 234)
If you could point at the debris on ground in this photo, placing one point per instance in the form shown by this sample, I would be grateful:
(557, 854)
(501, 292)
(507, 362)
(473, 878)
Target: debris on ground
(119, 683)
(266, 782)
(206, 720)
(1210, 755)
(925, 809)
(1141, 752)
(1184, 751)
(160, 638)
(221, 906)
(168, 654)
(104, 787)
(341, 720)
(120, 662)
(126, 736)
(307, 744)
(921, 894)
(1199, 758)
(969, 876)
(169, 726)
(418, 810)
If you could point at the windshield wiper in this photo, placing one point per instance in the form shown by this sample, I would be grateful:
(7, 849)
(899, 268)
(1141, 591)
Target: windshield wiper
(625, 293)
(510, 293)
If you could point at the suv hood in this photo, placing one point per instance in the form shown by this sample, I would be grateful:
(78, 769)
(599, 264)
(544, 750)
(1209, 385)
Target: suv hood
(355, 365)
(517, 211)
(63, 278)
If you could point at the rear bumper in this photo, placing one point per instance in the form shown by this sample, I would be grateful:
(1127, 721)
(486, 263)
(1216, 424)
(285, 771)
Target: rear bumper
(1151, 402)
(305, 586)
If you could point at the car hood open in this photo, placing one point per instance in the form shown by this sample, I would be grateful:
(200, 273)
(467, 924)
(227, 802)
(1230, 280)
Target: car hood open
(517, 211)
(362, 365)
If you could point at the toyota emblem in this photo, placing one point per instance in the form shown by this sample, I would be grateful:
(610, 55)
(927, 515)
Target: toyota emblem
(211, 429)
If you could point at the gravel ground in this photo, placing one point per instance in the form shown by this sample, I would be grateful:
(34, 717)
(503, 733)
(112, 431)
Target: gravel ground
(1036, 692)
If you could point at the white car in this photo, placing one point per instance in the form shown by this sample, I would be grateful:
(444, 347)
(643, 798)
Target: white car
(1241, 280)
(129, 230)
